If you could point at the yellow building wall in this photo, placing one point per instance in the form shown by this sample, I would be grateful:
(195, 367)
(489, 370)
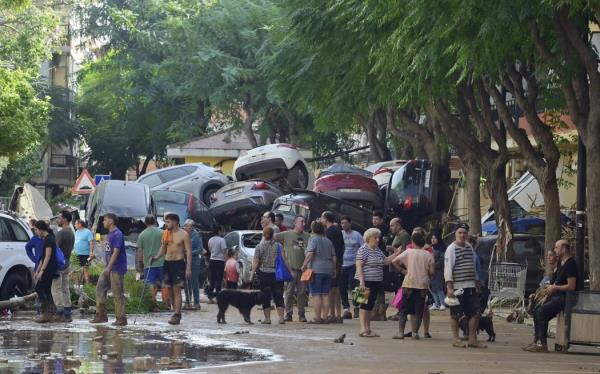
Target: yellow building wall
(225, 164)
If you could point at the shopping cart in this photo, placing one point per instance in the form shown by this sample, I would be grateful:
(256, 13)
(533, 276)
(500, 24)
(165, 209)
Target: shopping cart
(507, 284)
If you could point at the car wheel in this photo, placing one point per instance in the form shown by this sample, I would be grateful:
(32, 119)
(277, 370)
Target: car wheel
(210, 195)
(298, 176)
(14, 285)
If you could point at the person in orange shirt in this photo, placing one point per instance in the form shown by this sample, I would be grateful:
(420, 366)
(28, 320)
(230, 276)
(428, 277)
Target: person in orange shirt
(232, 274)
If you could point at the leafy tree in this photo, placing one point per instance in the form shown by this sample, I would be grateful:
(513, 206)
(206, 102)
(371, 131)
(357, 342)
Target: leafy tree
(27, 37)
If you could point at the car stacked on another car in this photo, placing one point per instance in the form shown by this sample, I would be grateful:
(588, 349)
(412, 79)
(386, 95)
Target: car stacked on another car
(240, 204)
(412, 192)
(16, 269)
(262, 175)
(200, 180)
(382, 172)
(186, 206)
(311, 205)
(351, 184)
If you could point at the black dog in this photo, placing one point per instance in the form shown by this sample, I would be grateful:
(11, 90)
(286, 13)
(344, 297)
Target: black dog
(243, 300)
(485, 324)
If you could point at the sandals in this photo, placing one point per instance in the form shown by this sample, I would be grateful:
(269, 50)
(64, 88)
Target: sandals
(368, 334)
(459, 344)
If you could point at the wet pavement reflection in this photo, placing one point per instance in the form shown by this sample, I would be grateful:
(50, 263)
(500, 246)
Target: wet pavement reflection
(108, 350)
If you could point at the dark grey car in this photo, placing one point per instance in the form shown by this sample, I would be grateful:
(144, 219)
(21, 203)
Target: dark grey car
(198, 179)
(239, 204)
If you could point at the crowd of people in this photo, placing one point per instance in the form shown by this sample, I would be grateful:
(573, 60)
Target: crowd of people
(345, 268)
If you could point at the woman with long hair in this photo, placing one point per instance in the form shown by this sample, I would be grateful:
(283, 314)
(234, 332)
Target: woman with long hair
(46, 272)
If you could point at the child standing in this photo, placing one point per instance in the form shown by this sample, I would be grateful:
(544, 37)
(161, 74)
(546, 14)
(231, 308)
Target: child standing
(232, 274)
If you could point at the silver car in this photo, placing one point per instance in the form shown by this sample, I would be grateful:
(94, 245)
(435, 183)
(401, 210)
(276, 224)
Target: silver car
(245, 242)
(198, 179)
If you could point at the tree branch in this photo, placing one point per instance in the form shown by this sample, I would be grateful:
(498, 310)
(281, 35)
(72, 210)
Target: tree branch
(586, 56)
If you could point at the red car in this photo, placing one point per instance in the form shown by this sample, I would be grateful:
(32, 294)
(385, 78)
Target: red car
(351, 184)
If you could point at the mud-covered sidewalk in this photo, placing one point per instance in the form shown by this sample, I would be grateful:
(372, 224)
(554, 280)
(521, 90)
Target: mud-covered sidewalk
(294, 347)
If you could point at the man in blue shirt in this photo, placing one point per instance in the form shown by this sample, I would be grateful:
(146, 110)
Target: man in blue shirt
(84, 248)
(113, 274)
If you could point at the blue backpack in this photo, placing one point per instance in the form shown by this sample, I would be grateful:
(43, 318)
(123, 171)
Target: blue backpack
(60, 259)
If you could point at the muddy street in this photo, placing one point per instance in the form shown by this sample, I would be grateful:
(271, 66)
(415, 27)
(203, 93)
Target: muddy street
(200, 345)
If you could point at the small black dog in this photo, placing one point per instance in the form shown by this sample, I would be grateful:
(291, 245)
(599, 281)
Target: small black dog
(244, 301)
(485, 324)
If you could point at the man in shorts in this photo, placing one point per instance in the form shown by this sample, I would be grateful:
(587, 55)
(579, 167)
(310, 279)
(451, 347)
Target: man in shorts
(462, 282)
(84, 248)
(149, 243)
(177, 248)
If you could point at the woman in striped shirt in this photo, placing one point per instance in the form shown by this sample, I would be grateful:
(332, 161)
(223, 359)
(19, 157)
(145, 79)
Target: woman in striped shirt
(370, 261)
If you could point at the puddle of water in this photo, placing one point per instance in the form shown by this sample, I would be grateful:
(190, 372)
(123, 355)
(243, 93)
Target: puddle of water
(107, 350)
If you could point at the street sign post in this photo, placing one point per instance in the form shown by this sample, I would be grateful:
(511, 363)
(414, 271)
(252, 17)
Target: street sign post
(101, 177)
(84, 185)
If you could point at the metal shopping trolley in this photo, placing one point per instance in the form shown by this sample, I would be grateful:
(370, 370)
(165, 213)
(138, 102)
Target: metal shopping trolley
(507, 283)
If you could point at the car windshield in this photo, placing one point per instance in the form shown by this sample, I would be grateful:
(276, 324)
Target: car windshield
(250, 241)
(405, 181)
(171, 202)
(179, 209)
(151, 181)
(170, 197)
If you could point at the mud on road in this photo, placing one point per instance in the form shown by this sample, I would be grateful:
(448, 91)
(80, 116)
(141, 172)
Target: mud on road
(295, 347)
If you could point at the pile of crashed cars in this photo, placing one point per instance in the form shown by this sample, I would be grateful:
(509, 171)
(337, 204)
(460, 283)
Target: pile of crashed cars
(273, 177)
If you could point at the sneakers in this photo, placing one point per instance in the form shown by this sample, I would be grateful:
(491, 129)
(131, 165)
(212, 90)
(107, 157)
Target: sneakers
(120, 322)
(100, 319)
(288, 318)
(347, 314)
(302, 319)
(433, 307)
(42, 318)
(443, 307)
(175, 320)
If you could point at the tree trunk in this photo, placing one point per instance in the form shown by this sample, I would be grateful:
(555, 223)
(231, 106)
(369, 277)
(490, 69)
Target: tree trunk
(145, 165)
(498, 191)
(592, 145)
(371, 132)
(472, 183)
(549, 188)
(249, 117)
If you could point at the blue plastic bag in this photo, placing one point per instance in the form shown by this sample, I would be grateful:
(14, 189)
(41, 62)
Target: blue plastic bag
(281, 271)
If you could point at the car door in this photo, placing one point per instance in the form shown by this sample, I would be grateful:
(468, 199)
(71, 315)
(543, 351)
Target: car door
(7, 247)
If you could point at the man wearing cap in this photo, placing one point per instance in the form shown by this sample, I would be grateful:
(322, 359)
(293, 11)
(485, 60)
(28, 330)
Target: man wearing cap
(462, 283)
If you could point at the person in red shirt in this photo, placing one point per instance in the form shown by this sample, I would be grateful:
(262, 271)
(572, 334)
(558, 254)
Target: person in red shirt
(232, 274)
(279, 222)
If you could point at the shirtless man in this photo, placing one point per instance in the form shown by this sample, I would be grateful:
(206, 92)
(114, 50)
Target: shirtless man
(177, 249)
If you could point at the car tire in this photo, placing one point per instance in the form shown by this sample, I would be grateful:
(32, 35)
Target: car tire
(208, 195)
(14, 285)
(298, 177)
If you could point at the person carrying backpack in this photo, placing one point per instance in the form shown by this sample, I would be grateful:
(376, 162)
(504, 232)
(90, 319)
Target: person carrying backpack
(47, 268)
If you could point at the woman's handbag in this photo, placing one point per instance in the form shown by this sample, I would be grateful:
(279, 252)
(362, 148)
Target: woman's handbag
(397, 302)
(307, 276)
(281, 271)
